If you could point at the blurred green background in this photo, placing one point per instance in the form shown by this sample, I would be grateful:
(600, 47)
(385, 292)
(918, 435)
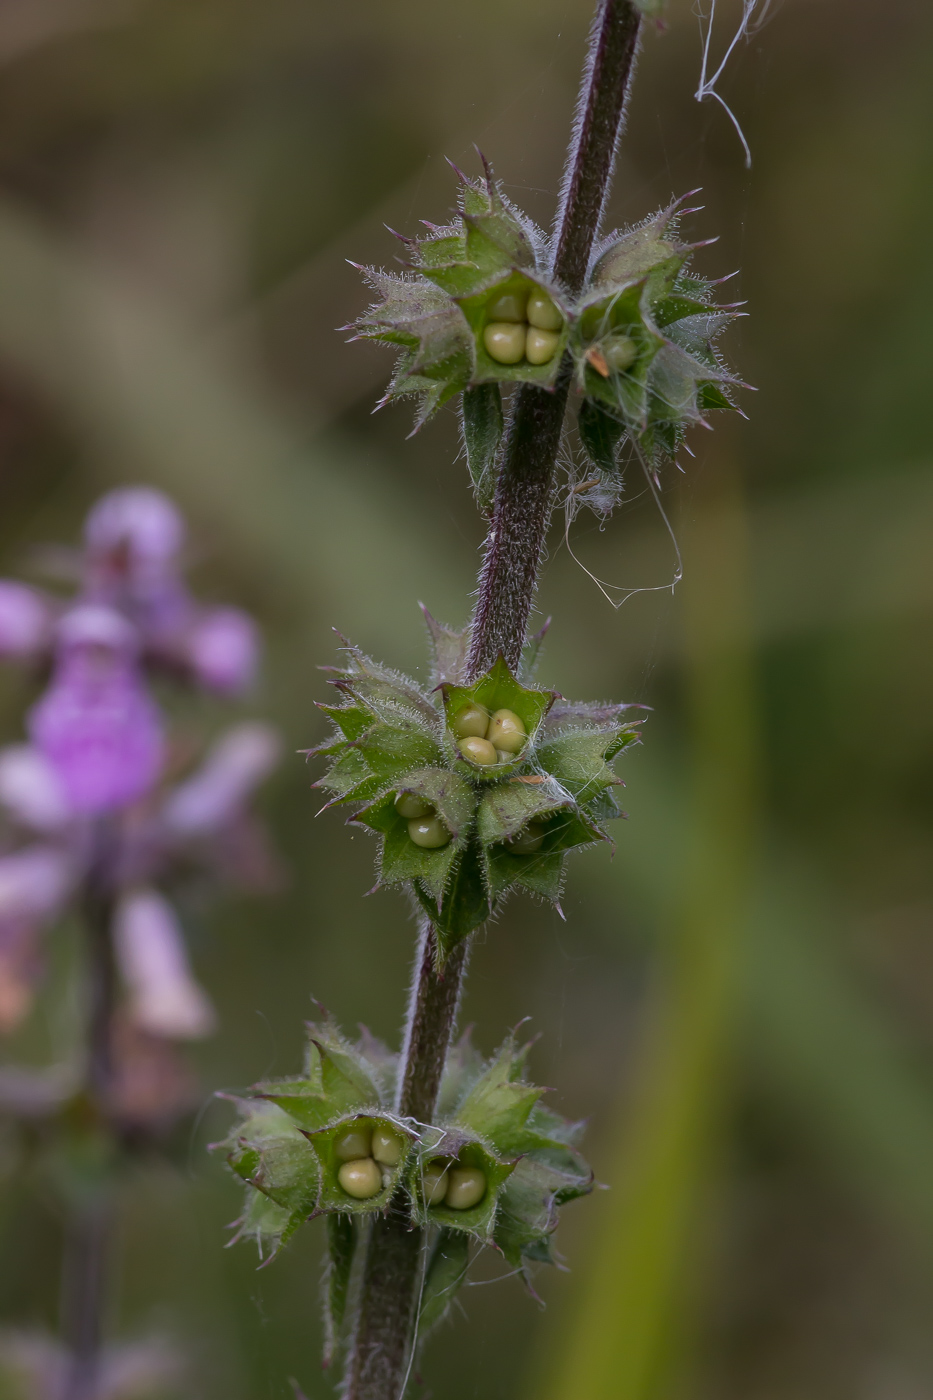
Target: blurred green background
(740, 1000)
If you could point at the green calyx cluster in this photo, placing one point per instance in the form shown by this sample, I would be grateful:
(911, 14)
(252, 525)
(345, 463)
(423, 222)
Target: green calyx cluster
(479, 308)
(473, 789)
(492, 1170)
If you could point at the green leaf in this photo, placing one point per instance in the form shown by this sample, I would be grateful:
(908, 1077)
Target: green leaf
(498, 1105)
(402, 860)
(482, 432)
(527, 1215)
(600, 434)
(341, 1240)
(508, 807)
(350, 779)
(578, 761)
(268, 1152)
(336, 1082)
(542, 873)
(446, 1271)
(449, 649)
(390, 750)
(465, 902)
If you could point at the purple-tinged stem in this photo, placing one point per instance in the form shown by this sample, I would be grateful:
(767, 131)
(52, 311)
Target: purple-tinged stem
(525, 487)
(88, 1231)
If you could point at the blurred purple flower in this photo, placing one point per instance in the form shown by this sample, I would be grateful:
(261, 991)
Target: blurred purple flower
(217, 793)
(165, 1000)
(138, 523)
(96, 724)
(25, 620)
(222, 648)
(133, 538)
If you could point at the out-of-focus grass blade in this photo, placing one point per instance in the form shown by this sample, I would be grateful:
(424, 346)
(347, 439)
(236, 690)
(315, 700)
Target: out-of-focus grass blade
(837, 1059)
(628, 1326)
(155, 403)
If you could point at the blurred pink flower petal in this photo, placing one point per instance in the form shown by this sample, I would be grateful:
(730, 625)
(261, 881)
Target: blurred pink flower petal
(96, 724)
(25, 620)
(139, 522)
(31, 790)
(217, 792)
(223, 649)
(165, 1000)
(34, 883)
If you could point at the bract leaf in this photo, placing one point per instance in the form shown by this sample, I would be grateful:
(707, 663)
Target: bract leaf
(341, 1242)
(446, 1271)
(482, 433)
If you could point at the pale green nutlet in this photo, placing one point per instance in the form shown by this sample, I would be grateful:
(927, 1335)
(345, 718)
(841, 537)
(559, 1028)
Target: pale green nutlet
(510, 306)
(466, 1187)
(540, 346)
(526, 841)
(542, 312)
(434, 1182)
(361, 1178)
(505, 342)
(387, 1147)
(353, 1142)
(506, 731)
(470, 723)
(619, 352)
(478, 751)
(410, 806)
(429, 832)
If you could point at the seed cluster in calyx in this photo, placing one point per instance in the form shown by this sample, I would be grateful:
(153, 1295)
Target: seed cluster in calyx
(522, 326)
(367, 1154)
(479, 309)
(473, 788)
(491, 1169)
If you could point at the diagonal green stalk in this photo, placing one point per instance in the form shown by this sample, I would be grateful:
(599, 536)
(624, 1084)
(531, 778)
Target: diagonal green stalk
(387, 1324)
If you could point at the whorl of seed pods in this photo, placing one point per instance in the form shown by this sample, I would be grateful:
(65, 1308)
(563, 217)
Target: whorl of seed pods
(492, 1169)
(473, 790)
(478, 308)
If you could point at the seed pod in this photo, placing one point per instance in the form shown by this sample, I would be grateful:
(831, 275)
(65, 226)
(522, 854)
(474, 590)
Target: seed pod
(353, 1143)
(360, 1178)
(510, 306)
(505, 342)
(434, 1182)
(527, 841)
(507, 732)
(542, 312)
(430, 832)
(619, 352)
(410, 806)
(470, 723)
(540, 346)
(466, 1187)
(387, 1147)
(478, 751)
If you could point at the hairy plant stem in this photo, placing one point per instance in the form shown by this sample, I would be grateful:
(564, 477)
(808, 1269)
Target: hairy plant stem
(525, 486)
(384, 1337)
(88, 1231)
